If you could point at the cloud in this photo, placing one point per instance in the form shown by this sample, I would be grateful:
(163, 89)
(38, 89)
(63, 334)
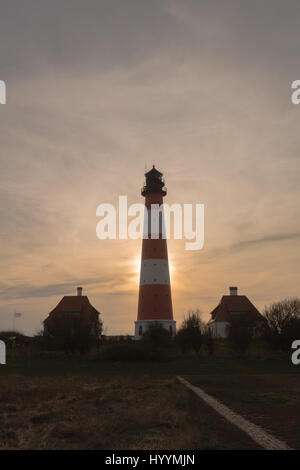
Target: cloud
(108, 286)
(98, 89)
(39, 36)
(266, 239)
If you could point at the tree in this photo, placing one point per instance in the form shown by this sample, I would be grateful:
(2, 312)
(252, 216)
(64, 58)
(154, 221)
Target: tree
(190, 334)
(72, 335)
(194, 320)
(283, 323)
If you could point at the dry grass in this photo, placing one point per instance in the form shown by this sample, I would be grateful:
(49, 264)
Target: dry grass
(108, 413)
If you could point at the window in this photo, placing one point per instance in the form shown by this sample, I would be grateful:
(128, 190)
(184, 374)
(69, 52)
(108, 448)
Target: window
(170, 330)
(140, 331)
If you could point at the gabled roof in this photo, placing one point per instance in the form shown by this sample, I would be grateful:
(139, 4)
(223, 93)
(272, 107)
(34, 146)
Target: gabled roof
(234, 308)
(72, 304)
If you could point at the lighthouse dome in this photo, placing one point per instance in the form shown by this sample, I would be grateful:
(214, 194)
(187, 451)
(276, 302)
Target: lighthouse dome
(154, 182)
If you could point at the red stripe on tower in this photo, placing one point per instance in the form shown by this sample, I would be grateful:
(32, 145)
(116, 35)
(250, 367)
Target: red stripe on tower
(155, 301)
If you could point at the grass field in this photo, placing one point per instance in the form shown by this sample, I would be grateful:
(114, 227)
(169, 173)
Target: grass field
(60, 402)
(109, 413)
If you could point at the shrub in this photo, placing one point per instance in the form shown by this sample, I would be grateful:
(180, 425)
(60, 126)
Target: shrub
(71, 335)
(209, 341)
(116, 339)
(13, 338)
(131, 353)
(183, 340)
(156, 336)
(240, 336)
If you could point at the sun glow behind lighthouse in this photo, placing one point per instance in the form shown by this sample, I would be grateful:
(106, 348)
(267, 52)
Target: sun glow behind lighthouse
(136, 265)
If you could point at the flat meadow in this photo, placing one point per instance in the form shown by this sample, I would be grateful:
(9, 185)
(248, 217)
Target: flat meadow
(55, 401)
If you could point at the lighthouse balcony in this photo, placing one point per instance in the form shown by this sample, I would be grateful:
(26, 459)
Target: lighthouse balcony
(147, 188)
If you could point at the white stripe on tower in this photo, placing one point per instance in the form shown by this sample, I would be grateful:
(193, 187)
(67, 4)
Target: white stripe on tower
(154, 271)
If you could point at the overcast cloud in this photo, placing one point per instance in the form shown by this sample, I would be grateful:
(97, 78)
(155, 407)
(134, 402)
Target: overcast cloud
(96, 90)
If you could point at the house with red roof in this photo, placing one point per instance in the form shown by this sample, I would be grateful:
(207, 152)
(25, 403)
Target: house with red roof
(235, 309)
(73, 308)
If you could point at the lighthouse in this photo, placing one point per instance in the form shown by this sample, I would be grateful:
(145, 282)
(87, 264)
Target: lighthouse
(155, 301)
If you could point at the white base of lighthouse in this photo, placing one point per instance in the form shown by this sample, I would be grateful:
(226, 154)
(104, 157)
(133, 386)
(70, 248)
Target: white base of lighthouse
(141, 326)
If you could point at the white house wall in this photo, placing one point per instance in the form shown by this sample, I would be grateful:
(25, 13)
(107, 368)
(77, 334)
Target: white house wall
(220, 329)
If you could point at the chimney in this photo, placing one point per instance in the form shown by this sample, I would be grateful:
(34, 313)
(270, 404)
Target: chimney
(79, 291)
(233, 290)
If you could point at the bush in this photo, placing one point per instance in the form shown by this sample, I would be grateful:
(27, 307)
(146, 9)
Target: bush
(183, 340)
(157, 336)
(209, 341)
(240, 336)
(116, 339)
(131, 353)
(70, 335)
(14, 338)
(6, 334)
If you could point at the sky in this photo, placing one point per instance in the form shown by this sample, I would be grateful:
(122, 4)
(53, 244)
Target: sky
(99, 90)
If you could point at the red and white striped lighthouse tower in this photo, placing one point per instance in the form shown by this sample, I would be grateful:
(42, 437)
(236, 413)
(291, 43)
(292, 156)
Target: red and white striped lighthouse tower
(155, 301)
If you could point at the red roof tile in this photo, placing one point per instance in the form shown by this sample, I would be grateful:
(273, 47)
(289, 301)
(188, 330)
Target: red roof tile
(72, 304)
(234, 307)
